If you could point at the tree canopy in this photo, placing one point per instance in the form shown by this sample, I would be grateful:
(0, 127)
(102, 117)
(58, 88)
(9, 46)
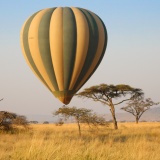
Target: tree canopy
(104, 92)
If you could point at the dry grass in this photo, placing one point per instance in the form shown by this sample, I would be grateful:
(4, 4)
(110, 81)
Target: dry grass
(50, 142)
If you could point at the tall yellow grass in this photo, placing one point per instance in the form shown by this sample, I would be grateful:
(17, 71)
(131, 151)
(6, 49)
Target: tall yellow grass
(50, 142)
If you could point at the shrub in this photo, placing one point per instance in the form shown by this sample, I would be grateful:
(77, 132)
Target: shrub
(9, 121)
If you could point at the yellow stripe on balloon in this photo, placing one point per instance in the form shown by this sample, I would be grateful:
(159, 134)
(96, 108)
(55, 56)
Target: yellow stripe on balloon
(24, 53)
(34, 47)
(56, 45)
(82, 45)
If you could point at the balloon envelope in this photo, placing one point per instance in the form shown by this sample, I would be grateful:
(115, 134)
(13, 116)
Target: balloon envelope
(63, 47)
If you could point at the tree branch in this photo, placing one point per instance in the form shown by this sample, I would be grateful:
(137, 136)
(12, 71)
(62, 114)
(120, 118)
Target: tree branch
(122, 101)
(129, 112)
(144, 111)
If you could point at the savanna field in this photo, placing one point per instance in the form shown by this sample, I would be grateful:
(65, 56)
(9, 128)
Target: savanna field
(51, 142)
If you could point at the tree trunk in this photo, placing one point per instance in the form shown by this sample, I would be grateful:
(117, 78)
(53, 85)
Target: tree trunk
(112, 109)
(137, 119)
(79, 127)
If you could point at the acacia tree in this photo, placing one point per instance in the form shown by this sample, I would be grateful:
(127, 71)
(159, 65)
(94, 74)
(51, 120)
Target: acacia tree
(81, 115)
(73, 112)
(106, 93)
(138, 106)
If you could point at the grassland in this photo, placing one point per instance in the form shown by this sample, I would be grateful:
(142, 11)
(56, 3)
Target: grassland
(50, 142)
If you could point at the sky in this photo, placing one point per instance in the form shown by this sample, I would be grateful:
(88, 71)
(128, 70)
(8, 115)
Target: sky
(132, 56)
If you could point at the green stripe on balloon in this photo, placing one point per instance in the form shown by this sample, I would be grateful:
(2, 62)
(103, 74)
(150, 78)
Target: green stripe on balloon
(105, 45)
(69, 44)
(44, 46)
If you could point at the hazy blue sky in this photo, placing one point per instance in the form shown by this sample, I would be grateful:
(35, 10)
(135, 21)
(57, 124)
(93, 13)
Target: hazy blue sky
(132, 56)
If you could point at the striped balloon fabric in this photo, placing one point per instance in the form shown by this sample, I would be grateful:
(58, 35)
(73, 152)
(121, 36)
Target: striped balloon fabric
(63, 47)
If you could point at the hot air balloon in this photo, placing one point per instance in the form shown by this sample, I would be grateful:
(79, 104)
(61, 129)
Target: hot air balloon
(63, 46)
